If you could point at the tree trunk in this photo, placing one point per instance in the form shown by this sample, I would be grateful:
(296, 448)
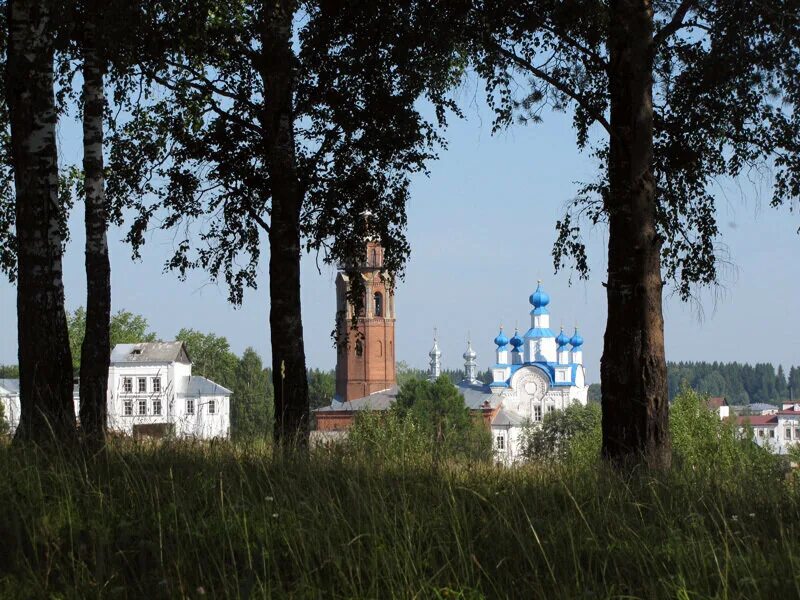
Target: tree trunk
(96, 348)
(288, 352)
(45, 362)
(633, 367)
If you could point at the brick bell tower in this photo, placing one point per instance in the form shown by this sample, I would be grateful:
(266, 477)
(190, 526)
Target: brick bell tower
(366, 364)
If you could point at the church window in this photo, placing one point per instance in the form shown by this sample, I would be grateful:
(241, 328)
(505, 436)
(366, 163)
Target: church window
(501, 442)
(142, 407)
(359, 348)
(380, 349)
(190, 406)
(142, 385)
(374, 258)
(127, 385)
(378, 304)
(550, 408)
(537, 413)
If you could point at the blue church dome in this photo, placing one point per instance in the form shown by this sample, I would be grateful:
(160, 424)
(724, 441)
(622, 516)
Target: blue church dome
(577, 340)
(501, 340)
(516, 341)
(562, 340)
(539, 298)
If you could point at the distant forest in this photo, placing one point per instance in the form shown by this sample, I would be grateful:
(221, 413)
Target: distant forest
(738, 383)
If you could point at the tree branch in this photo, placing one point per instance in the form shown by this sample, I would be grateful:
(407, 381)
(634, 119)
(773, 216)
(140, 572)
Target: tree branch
(675, 24)
(559, 85)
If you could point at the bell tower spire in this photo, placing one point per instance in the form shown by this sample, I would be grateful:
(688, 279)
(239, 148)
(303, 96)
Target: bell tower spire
(365, 362)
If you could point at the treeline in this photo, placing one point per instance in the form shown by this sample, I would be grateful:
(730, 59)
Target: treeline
(739, 383)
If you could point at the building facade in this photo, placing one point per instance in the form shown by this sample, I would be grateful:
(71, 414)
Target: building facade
(151, 392)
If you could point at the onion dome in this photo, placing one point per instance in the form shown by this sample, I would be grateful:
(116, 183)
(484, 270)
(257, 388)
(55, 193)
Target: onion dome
(501, 340)
(562, 340)
(539, 298)
(470, 354)
(516, 341)
(435, 352)
(577, 340)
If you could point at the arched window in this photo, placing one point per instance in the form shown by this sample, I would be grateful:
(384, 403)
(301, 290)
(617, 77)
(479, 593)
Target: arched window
(378, 304)
(374, 258)
(380, 349)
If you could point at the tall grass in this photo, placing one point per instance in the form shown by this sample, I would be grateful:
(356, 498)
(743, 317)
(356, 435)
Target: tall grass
(220, 520)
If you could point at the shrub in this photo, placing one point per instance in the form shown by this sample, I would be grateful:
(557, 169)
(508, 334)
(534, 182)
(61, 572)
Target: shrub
(571, 434)
(706, 447)
(428, 419)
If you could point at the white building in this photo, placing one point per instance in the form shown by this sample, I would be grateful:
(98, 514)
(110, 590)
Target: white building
(533, 375)
(778, 432)
(151, 391)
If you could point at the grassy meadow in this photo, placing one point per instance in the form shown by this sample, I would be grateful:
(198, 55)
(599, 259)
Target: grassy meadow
(190, 520)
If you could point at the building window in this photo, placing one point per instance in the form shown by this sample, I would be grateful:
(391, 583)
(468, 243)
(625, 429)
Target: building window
(550, 408)
(772, 433)
(128, 408)
(190, 406)
(157, 384)
(127, 385)
(501, 442)
(142, 407)
(142, 385)
(212, 407)
(378, 304)
(156, 407)
(760, 433)
(537, 413)
(788, 433)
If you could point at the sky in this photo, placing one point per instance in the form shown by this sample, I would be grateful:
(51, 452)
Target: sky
(481, 228)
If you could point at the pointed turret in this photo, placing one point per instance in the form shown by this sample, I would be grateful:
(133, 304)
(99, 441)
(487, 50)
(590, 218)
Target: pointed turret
(436, 359)
(470, 364)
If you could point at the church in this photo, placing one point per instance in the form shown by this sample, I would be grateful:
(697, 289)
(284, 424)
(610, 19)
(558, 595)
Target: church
(532, 374)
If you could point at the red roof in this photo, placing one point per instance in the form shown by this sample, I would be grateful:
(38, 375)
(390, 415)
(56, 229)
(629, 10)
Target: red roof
(758, 419)
(716, 402)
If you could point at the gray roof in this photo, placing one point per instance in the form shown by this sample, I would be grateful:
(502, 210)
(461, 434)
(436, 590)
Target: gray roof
(506, 417)
(9, 387)
(149, 352)
(382, 400)
(195, 385)
(476, 394)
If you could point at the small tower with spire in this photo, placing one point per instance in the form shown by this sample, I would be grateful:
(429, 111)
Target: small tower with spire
(577, 347)
(436, 358)
(470, 364)
(501, 341)
(540, 341)
(516, 348)
(563, 351)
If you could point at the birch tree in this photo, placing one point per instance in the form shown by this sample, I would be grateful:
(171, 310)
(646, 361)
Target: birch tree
(96, 345)
(45, 362)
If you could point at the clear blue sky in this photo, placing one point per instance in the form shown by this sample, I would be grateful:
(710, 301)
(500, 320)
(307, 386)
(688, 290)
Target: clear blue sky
(481, 229)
